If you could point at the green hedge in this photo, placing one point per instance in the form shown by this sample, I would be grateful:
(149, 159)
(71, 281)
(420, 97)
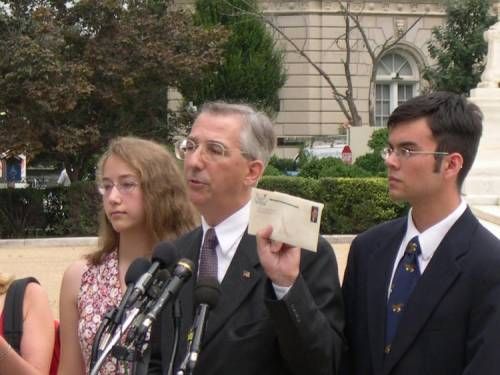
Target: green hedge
(352, 205)
(51, 212)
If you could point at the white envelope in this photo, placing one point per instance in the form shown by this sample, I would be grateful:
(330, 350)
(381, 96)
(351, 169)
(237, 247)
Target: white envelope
(295, 221)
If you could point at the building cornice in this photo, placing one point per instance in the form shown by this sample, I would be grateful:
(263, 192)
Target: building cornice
(280, 8)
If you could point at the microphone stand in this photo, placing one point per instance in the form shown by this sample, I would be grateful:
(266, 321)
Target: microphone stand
(177, 316)
(105, 324)
(112, 342)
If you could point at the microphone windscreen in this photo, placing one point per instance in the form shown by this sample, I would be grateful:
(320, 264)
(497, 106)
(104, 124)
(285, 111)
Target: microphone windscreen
(165, 253)
(163, 275)
(136, 269)
(207, 291)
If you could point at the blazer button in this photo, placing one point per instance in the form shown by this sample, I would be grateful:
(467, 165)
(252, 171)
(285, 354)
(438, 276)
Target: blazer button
(387, 349)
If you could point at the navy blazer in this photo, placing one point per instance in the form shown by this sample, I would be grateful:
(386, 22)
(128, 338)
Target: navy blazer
(451, 324)
(249, 332)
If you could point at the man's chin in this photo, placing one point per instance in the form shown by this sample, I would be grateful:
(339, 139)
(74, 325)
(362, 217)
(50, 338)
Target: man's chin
(396, 197)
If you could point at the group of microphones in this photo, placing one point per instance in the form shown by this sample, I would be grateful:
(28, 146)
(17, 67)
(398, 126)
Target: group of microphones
(125, 330)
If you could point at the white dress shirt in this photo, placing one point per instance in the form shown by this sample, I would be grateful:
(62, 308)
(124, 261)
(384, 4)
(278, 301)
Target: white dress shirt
(429, 239)
(229, 234)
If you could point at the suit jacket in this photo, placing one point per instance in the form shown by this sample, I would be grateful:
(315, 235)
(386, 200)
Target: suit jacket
(249, 331)
(451, 323)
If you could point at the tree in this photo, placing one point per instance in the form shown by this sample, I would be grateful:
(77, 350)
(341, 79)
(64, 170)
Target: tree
(252, 69)
(372, 161)
(458, 46)
(348, 42)
(75, 74)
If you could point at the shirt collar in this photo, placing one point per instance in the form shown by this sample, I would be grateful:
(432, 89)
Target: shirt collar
(431, 238)
(231, 229)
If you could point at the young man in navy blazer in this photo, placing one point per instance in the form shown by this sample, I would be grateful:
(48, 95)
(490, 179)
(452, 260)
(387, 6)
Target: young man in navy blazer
(449, 321)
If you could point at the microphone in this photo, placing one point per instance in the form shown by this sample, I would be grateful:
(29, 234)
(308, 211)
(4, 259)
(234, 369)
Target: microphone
(134, 272)
(182, 272)
(114, 317)
(206, 295)
(164, 255)
(161, 279)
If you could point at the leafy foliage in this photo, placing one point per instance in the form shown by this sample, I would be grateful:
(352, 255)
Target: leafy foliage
(75, 74)
(352, 205)
(330, 167)
(458, 46)
(282, 164)
(372, 162)
(58, 211)
(253, 68)
(272, 171)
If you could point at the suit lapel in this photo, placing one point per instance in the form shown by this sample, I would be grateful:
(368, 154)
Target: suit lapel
(242, 275)
(190, 248)
(440, 274)
(379, 274)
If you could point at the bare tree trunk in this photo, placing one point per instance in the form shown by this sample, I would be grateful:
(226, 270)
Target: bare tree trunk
(346, 101)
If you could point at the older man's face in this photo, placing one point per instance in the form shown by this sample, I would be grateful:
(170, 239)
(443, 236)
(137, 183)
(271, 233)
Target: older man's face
(217, 184)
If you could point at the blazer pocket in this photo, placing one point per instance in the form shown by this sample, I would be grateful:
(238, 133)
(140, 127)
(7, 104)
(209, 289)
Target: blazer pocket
(250, 330)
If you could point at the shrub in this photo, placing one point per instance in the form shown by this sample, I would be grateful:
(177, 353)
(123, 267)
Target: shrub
(330, 167)
(352, 205)
(272, 171)
(58, 211)
(283, 165)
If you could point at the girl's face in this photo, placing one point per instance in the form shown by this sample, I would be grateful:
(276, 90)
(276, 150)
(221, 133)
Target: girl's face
(122, 196)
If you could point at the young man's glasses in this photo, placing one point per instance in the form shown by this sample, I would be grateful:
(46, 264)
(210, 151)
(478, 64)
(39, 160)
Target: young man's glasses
(212, 150)
(123, 187)
(404, 153)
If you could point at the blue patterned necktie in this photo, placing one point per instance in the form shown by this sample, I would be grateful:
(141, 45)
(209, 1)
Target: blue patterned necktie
(404, 281)
(208, 258)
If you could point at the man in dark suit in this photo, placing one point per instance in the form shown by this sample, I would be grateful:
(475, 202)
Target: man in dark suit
(280, 309)
(422, 292)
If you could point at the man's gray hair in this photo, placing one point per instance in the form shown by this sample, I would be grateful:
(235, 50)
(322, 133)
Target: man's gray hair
(257, 137)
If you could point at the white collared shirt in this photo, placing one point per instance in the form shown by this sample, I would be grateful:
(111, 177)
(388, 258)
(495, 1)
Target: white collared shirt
(229, 234)
(429, 239)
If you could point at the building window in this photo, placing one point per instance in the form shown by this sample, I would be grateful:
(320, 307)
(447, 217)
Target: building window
(396, 82)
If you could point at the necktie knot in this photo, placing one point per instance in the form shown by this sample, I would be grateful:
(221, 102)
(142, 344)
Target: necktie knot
(413, 247)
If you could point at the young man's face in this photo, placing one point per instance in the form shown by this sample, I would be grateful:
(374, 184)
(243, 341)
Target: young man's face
(217, 186)
(419, 176)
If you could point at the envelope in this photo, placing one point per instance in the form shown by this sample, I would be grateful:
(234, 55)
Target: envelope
(295, 221)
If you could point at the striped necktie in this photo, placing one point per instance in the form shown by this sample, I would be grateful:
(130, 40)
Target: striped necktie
(208, 258)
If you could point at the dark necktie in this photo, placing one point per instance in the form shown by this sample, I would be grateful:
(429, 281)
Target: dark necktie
(404, 281)
(208, 258)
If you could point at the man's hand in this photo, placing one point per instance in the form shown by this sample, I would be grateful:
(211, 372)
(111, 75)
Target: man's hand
(280, 261)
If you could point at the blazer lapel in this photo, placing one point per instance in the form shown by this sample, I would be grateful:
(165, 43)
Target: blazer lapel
(382, 260)
(190, 248)
(242, 275)
(440, 274)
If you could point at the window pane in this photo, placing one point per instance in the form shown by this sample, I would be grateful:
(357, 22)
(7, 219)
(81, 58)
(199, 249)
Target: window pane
(382, 104)
(405, 92)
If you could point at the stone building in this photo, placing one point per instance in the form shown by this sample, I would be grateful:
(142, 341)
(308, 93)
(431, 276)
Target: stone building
(308, 111)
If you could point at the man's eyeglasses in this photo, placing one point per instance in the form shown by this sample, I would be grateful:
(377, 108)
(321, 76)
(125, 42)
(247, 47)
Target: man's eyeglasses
(212, 150)
(404, 153)
(123, 187)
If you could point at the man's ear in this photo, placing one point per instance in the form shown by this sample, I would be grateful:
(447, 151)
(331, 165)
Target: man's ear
(255, 171)
(453, 164)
